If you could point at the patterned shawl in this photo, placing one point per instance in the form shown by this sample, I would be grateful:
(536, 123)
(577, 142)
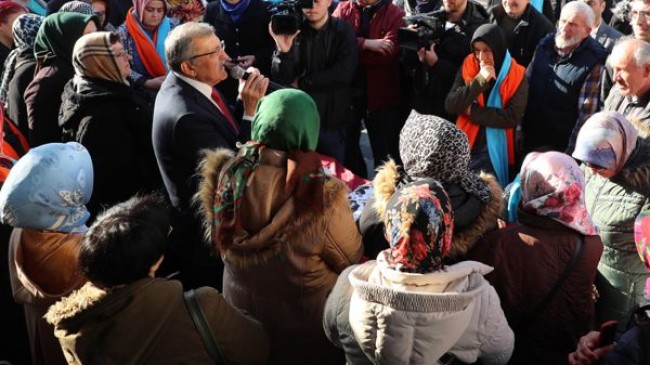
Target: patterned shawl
(93, 57)
(25, 28)
(285, 120)
(553, 186)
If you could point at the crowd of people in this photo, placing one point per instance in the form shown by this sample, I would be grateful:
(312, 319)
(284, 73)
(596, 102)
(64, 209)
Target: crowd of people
(182, 182)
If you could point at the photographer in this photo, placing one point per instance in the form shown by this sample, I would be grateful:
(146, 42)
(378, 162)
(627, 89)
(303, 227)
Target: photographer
(439, 63)
(320, 59)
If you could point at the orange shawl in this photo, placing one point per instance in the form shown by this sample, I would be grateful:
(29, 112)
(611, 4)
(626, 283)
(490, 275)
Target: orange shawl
(469, 70)
(145, 47)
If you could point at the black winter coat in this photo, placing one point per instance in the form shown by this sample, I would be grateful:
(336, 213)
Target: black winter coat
(42, 99)
(432, 84)
(15, 103)
(532, 27)
(113, 125)
(324, 62)
(249, 36)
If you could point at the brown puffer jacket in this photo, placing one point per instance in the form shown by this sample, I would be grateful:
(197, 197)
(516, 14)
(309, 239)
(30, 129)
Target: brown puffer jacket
(284, 265)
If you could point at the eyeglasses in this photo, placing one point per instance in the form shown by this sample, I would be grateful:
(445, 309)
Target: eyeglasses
(218, 50)
(121, 53)
(634, 15)
(594, 167)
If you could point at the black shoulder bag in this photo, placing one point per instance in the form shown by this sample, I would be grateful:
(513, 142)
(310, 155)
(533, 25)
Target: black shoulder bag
(201, 324)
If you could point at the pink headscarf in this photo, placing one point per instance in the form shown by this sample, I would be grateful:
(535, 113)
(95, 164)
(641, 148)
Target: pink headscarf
(642, 240)
(552, 185)
(139, 6)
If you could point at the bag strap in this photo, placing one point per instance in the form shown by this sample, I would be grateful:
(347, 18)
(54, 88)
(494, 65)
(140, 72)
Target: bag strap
(201, 323)
(577, 250)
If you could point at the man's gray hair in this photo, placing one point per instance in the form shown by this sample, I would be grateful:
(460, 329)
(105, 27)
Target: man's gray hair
(640, 49)
(582, 8)
(179, 45)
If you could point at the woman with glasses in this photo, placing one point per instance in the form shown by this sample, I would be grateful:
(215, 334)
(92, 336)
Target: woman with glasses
(101, 111)
(143, 34)
(616, 163)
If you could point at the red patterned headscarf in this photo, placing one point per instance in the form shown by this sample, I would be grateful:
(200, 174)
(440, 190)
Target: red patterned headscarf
(419, 225)
(553, 186)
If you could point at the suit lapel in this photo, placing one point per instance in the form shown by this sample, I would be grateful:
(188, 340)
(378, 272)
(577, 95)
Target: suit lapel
(207, 107)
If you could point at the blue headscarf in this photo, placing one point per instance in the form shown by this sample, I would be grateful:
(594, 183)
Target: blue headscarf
(48, 188)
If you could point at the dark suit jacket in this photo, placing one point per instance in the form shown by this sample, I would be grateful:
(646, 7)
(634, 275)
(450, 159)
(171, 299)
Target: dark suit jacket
(185, 122)
(607, 36)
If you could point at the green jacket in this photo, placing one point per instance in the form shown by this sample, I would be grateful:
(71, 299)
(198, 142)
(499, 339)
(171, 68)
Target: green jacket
(614, 205)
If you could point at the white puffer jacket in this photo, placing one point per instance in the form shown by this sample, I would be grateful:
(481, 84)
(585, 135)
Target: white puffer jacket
(401, 318)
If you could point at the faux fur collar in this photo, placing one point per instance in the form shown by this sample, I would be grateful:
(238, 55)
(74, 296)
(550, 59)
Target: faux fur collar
(386, 182)
(77, 302)
(298, 231)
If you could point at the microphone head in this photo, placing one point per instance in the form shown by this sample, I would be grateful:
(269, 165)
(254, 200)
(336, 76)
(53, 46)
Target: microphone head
(236, 72)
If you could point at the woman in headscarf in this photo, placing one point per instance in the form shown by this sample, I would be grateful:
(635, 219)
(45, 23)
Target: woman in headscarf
(616, 163)
(143, 34)
(283, 228)
(76, 6)
(19, 69)
(489, 96)
(53, 50)
(44, 199)
(99, 109)
(529, 259)
(431, 147)
(9, 11)
(411, 305)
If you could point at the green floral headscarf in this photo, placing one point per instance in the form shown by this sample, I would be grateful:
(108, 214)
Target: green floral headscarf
(285, 120)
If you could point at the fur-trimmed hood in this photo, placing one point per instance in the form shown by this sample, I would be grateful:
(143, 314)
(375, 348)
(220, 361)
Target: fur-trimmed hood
(270, 222)
(79, 301)
(388, 179)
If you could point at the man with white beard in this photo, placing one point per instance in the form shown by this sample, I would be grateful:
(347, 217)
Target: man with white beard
(564, 82)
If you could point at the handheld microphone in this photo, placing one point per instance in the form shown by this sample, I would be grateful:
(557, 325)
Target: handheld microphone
(237, 72)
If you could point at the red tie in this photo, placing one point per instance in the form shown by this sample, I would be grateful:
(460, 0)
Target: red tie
(224, 109)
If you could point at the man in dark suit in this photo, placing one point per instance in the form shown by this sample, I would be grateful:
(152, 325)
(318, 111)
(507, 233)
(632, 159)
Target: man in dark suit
(190, 116)
(601, 32)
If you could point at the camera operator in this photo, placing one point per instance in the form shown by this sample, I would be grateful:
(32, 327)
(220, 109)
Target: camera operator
(439, 63)
(320, 59)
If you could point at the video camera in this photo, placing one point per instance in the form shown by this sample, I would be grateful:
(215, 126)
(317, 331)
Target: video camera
(287, 15)
(430, 29)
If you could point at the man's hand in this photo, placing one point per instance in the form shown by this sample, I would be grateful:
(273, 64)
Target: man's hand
(252, 90)
(155, 83)
(382, 46)
(487, 72)
(428, 56)
(283, 41)
(246, 61)
(588, 352)
(229, 63)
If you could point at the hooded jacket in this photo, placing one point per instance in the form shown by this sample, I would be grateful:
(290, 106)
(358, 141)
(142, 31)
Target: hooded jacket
(393, 317)
(283, 268)
(147, 322)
